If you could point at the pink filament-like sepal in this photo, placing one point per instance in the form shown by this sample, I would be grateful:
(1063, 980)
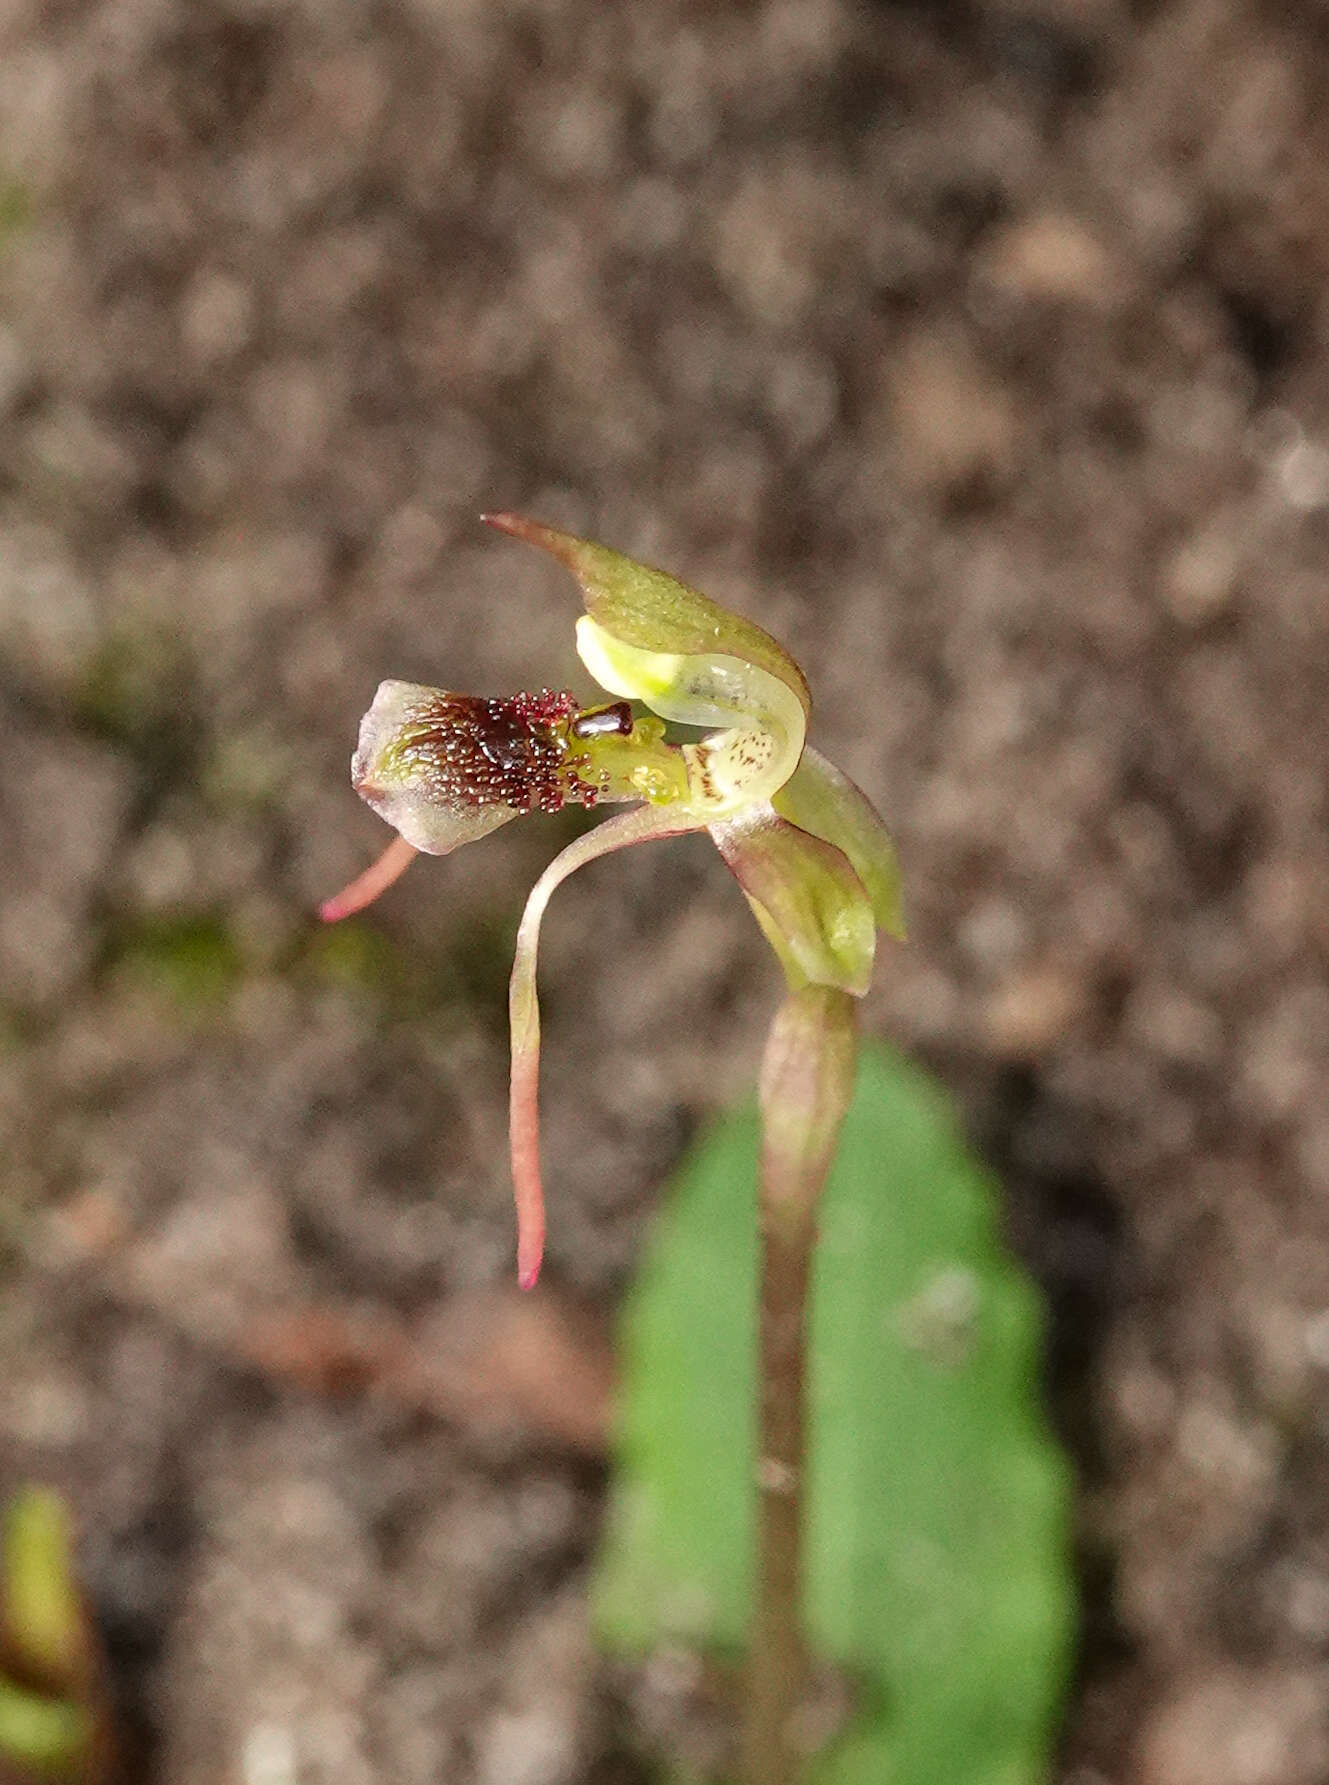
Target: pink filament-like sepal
(640, 825)
(366, 887)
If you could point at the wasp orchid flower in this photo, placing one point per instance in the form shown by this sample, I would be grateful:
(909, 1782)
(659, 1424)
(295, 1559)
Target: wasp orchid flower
(806, 846)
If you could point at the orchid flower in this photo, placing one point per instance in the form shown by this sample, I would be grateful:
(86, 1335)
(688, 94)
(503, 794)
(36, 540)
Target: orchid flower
(806, 846)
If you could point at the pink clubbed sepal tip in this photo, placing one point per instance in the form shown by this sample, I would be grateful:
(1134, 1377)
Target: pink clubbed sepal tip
(560, 545)
(366, 887)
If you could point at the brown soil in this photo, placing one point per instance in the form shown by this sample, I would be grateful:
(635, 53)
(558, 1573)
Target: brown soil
(977, 350)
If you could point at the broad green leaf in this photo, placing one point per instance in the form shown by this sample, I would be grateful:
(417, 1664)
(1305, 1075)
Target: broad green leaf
(938, 1506)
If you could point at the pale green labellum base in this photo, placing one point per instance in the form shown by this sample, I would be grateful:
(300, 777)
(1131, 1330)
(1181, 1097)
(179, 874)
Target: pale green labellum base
(763, 719)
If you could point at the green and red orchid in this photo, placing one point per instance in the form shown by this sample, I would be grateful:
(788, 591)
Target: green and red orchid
(807, 847)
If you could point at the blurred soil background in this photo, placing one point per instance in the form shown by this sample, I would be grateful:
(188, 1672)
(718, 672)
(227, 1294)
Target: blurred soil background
(980, 351)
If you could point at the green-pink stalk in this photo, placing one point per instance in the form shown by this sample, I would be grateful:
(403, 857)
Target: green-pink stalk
(638, 826)
(807, 1081)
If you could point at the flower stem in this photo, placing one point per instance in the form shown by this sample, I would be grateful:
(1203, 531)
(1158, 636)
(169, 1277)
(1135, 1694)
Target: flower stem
(807, 1080)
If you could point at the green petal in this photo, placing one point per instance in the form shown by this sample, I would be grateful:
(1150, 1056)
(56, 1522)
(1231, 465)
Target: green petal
(762, 725)
(810, 903)
(819, 798)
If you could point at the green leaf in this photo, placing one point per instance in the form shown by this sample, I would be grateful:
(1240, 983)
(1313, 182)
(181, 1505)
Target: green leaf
(938, 1506)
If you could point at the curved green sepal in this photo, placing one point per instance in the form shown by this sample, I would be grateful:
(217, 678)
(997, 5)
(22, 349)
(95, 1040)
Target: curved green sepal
(817, 797)
(645, 636)
(810, 903)
(652, 611)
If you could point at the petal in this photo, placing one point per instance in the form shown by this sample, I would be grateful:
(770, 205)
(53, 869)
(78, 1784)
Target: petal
(810, 903)
(446, 769)
(638, 826)
(763, 723)
(819, 798)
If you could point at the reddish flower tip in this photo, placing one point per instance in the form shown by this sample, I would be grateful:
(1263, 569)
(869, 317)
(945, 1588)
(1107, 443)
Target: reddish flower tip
(559, 545)
(366, 887)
